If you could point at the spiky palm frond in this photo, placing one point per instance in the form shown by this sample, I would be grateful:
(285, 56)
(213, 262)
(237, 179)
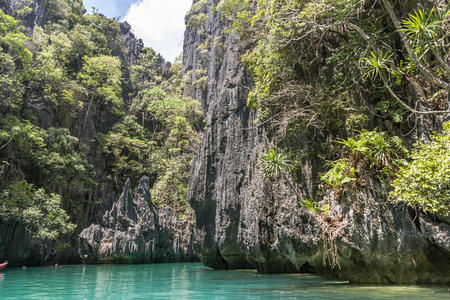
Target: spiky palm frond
(274, 162)
(376, 63)
(422, 25)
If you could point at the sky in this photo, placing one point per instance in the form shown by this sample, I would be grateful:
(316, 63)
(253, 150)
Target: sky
(159, 23)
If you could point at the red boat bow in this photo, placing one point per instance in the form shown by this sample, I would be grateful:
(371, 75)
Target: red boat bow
(3, 265)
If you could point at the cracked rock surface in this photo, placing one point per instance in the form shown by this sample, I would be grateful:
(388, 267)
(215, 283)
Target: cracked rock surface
(245, 221)
(135, 231)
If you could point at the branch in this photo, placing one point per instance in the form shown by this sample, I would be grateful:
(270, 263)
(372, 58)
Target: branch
(3, 146)
(386, 81)
(440, 60)
(426, 73)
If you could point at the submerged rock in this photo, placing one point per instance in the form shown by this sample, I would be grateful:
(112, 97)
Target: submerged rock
(135, 231)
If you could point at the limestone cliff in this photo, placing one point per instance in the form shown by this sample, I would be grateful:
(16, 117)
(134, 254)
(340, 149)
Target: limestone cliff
(136, 231)
(244, 221)
(149, 233)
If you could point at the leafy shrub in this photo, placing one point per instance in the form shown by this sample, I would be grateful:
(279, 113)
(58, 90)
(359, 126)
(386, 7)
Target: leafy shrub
(370, 152)
(377, 149)
(341, 173)
(41, 213)
(195, 16)
(425, 181)
(314, 206)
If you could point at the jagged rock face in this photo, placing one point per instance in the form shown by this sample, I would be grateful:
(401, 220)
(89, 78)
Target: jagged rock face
(37, 15)
(225, 179)
(244, 221)
(134, 231)
(133, 45)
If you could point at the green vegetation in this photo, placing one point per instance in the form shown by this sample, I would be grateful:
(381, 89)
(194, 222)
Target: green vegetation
(323, 69)
(39, 212)
(77, 119)
(237, 13)
(101, 76)
(314, 206)
(275, 163)
(371, 151)
(196, 15)
(14, 58)
(340, 173)
(425, 181)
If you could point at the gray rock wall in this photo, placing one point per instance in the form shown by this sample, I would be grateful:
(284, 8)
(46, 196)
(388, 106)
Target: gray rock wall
(133, 45)
(244, 221)
(134, 231)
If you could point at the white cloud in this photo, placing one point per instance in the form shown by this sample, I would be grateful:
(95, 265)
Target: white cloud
(108, 8)
(160, 24)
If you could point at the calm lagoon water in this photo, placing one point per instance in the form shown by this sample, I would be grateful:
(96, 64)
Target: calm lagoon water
(189, 281)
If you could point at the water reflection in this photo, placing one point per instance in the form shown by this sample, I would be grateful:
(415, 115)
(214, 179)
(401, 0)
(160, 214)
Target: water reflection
(2, 277)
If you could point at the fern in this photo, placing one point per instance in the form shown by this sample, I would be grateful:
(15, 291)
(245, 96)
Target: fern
(341, 173)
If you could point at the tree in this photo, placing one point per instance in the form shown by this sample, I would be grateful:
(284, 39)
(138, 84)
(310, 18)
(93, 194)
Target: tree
(40, 212)
(101, 77)
(131, 154)
(422, 32)
(64, 168)
(146, 72)
(51, 79)
(14, 57)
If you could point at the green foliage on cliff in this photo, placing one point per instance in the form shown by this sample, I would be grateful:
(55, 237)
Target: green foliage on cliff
(129, 152)
(374, 152)
(164, 153)
(339, 174)
(274, 162)
(328, 71)
(371, 154)
(79, 114)
(425, 181)
(101, 77)
(63, 167)
(165, 150)
(38, 211)
(14, 57)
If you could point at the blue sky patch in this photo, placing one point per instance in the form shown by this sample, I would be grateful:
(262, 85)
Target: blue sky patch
(159, 23)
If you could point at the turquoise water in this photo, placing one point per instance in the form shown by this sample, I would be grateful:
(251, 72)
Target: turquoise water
(189, 281)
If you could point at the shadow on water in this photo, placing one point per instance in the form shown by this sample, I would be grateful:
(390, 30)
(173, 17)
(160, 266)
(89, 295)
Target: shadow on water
(307, 286)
